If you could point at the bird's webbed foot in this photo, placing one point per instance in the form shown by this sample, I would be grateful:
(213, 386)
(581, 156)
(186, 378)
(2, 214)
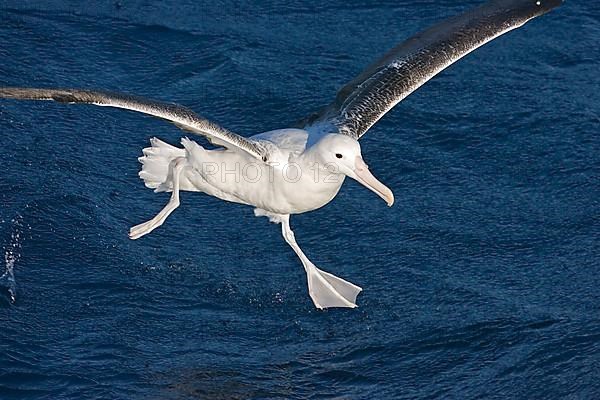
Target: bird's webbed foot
(325, 289)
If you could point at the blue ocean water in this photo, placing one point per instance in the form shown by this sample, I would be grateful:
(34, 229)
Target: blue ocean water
(481, 282)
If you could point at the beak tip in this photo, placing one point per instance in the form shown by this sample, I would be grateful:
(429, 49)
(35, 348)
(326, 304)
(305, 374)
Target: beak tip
(367, 179)
(390, 199)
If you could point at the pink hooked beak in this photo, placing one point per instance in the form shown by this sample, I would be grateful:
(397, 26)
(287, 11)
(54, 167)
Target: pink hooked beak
(365, 177)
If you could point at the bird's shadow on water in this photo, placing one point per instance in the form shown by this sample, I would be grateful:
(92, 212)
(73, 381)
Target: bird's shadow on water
(204, 383)
(288, 373)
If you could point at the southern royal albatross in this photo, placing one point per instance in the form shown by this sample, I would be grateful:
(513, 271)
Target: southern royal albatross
(295, 170)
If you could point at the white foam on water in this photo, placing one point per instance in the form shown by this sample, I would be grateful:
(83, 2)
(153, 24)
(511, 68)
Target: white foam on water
(11, 256)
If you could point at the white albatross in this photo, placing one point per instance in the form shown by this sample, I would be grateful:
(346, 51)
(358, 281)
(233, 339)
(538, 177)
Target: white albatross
(295, 170)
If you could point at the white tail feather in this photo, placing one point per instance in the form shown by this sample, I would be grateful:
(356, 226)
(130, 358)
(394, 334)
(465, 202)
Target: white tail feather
(155, 164)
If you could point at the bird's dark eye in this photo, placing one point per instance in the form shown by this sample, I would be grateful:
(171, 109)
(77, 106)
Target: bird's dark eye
(338, 155)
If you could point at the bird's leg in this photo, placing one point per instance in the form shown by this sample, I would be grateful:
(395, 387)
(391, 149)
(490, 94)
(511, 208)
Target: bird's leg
(140, 230)
(325, 290)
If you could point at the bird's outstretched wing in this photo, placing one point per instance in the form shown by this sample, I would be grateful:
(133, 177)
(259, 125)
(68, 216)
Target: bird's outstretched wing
(181, 116)
(363, 101)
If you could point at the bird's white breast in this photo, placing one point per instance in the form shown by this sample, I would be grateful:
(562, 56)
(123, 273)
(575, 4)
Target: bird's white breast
(288, 184)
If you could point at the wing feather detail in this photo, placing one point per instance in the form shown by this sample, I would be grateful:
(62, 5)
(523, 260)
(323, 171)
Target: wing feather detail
(181, 116)
(368, 97)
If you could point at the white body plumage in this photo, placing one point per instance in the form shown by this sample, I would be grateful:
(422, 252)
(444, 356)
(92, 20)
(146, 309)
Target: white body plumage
(240, 178)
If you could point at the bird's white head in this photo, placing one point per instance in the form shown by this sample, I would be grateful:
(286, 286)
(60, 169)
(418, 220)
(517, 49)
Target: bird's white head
(344, 154)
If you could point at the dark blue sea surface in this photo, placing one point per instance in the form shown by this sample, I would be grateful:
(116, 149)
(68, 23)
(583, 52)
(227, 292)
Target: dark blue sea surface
(483, 280)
